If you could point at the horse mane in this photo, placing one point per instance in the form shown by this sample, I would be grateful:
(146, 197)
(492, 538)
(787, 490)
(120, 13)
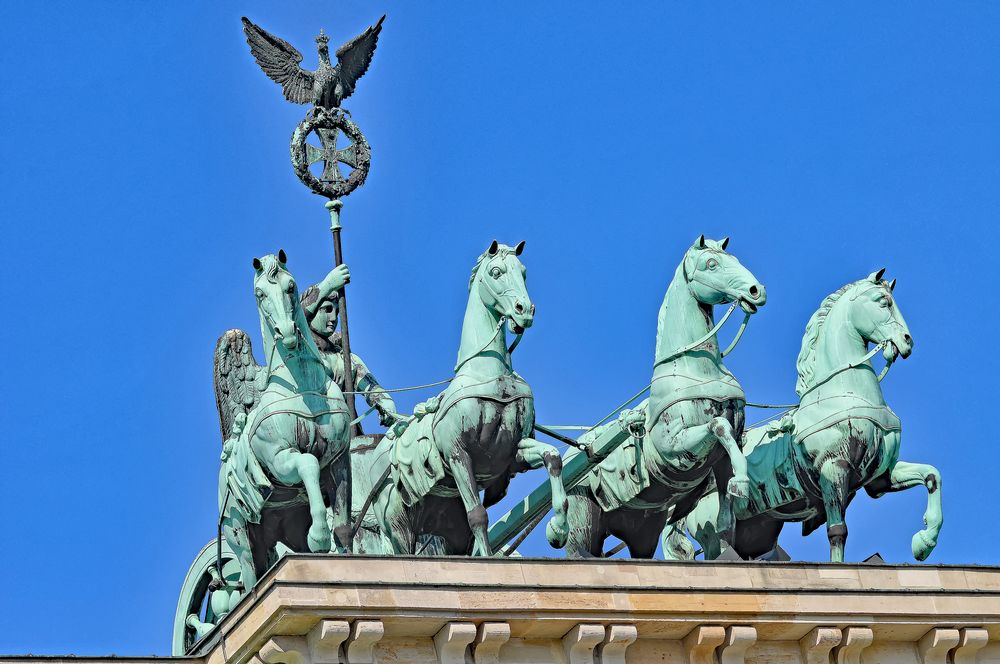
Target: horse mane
(807, 355)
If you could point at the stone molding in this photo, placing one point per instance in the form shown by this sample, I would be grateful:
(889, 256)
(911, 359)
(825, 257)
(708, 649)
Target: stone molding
(580, 642)
(617, 639)
(490, 637)
(367, 610)
(853, 641)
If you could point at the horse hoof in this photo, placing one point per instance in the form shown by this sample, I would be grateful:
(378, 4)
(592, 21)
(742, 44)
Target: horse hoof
(739, 487)
(318, 540)
(556, 535)
(922, 545)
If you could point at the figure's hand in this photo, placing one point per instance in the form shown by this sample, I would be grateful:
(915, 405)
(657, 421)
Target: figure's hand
(338, 277)
(387, 416)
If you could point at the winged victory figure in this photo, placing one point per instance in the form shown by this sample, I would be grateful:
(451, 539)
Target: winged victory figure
(330, 84)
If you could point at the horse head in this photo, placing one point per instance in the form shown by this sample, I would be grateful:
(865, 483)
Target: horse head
(500, 282)
(876, 317)
(717, 277)
(277, 299)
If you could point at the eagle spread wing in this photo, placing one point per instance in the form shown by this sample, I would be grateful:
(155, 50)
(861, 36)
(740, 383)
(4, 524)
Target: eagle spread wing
(239, 380)
(280, 61)
(355, 56)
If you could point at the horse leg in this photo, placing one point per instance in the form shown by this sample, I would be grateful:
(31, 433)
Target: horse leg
(586, 526)
(694, 440)
(234, 531)
(460, 464)
(702, 524)
(676, 545)
(292, 466)
(535, 454)
(905, 475)
(340, 503)
(834, 477)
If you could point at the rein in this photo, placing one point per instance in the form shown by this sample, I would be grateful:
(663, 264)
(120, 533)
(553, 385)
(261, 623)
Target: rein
(850, 365)
(708, 335)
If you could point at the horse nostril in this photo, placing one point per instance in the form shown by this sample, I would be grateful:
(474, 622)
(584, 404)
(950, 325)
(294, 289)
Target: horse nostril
(754, 292)
(532, 309)
(518, 307)
(908, 339)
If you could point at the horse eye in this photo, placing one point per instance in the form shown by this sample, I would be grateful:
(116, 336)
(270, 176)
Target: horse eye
(712, 264)
(495, 273)
(259, 293)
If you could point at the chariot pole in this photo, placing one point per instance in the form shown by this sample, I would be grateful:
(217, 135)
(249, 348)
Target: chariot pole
(334, 207)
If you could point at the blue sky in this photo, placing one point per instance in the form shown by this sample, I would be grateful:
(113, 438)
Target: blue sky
(146, 162)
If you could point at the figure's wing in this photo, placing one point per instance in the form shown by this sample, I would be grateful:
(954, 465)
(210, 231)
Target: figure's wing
(239, 380)
(280, 61)
(355, 56)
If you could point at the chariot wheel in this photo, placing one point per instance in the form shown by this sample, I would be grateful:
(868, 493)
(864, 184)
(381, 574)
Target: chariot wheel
(327, 126)
(204, 600)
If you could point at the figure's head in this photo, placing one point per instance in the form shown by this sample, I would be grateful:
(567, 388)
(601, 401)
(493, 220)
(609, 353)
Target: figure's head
(875, 316)
(277, 298)
(499, 278)
(717, 277)
(323, 322)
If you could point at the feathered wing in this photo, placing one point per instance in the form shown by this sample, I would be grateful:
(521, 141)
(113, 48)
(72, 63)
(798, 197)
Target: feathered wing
(355, 56)
(239, 380)
(280, 61)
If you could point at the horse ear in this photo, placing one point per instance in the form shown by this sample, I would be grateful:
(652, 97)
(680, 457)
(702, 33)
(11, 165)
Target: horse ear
(892, 285)
(282, 258)
(519, 248)
(700, 242)
(492, 251)
(724, 243)
(257, 265)
(876, 276)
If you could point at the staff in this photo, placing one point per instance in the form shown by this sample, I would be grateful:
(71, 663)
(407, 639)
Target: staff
(338, 256)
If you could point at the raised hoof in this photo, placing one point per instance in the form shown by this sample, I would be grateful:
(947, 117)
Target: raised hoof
(738, 487)
(557, 534)
(318, 538)
(922, 545)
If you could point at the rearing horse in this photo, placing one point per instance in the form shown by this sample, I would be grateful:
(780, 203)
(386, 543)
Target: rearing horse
(286, 427)
(842, 437)
(693, 417)
(474, 436)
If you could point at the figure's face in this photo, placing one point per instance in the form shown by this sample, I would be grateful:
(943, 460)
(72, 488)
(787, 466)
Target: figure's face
(324, 323)
(877, 318)
(717, 277)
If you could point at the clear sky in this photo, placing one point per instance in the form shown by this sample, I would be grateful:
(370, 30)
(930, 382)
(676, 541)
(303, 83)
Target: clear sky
(145, 162)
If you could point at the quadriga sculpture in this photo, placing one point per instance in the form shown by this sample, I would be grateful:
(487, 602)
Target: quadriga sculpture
(693, 417)
(842, 437)
(474, 436)
(286, 425)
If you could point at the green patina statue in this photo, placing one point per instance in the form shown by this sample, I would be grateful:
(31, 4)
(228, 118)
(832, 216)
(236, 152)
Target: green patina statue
(474, 436)
(692, 419)
(285, 460)
(842, 437)
(320, 304)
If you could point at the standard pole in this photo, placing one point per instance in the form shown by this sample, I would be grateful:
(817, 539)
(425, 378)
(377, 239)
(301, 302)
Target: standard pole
(345, 339)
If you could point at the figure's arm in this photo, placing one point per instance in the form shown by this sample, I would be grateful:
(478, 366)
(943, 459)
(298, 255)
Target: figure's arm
(376, 397)
(333, 282)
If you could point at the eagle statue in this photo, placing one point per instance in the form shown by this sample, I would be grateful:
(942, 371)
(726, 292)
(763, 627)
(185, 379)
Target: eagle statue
(330, 84)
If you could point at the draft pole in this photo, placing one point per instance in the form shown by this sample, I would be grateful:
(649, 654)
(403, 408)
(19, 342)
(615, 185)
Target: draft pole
(338, 256)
